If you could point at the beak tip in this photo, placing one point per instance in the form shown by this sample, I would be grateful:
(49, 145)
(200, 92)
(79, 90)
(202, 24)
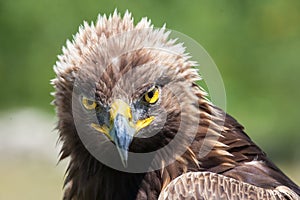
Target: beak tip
(124, 162)
(124, 156)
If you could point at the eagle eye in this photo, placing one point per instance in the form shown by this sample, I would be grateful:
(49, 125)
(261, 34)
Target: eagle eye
(152, 95)
(88, 103)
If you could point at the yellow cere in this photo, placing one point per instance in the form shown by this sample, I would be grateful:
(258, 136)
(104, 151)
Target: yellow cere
(103, 129)
(152, 95)
(120, 107)
(88, 104)
(143, 123)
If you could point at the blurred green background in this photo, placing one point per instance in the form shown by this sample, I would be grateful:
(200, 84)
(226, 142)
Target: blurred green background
(255, 44)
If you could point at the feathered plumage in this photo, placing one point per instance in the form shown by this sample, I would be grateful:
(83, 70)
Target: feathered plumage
(116, 74)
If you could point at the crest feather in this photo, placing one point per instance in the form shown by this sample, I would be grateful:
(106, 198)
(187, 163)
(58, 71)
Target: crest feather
(93, 41)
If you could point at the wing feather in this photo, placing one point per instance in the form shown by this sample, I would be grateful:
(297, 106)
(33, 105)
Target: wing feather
(212, 186)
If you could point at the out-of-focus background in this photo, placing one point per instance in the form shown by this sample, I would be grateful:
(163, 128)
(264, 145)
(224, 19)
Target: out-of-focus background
(255, 44)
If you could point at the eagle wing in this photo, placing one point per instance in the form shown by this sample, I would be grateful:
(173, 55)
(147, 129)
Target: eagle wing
(208, 185)
(243, 172)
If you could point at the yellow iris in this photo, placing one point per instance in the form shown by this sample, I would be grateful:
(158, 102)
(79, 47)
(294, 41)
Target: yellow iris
(152, 95)
(88, 104)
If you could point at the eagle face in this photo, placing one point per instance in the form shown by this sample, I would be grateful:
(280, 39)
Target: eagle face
(129, 92)
(133, 108)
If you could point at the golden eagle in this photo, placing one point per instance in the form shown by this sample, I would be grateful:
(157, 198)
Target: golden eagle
(133, 123)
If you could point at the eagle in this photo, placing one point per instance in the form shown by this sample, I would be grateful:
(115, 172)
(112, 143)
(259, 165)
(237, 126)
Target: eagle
(134, 123)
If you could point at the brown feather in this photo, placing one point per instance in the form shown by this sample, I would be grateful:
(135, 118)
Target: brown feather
(211, 186)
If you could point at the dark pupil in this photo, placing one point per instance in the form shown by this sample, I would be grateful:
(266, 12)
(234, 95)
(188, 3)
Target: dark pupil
(150, 94)
(90, 102)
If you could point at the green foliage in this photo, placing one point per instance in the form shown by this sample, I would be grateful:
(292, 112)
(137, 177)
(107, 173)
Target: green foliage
(255, 44)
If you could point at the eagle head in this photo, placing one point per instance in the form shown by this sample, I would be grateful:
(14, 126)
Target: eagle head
(125, 90)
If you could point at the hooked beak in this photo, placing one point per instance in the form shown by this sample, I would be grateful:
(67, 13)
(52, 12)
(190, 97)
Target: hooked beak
(122, 129)
(122, 134)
